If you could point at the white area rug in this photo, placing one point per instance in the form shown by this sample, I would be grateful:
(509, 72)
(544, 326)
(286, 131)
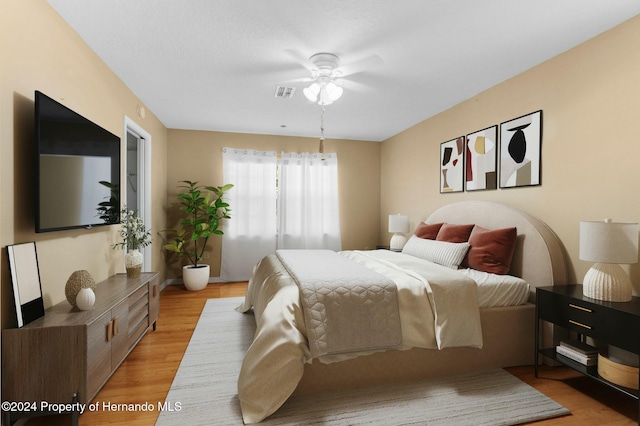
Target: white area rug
(206, 387)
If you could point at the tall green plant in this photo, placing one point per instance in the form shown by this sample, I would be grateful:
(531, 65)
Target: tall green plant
(204, 208)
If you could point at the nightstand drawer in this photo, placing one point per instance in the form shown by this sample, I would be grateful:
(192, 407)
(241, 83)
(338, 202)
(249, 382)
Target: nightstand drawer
(572, 314)
(603, 320)
(609, 323)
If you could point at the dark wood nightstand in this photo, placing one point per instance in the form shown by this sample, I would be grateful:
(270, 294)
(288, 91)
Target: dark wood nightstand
(615, 323)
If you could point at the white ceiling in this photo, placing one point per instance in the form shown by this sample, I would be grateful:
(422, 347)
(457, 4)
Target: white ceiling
(215, 64)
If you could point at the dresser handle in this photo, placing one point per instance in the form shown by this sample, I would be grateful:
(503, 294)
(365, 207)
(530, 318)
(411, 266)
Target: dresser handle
(579, 324)
(109, 330)
(571, 305)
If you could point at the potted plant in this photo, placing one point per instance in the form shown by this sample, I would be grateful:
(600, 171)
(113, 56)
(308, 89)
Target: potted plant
(134, 236)
(108, 210)
(204, 208)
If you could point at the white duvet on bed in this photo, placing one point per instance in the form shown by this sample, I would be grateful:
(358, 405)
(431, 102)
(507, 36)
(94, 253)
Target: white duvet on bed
(438, 309)
(498, 290)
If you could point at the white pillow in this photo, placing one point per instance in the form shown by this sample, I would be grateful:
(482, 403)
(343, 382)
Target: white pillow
(443, 253)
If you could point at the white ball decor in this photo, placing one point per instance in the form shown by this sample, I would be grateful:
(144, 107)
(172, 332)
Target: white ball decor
(85, 299)
(78, 280)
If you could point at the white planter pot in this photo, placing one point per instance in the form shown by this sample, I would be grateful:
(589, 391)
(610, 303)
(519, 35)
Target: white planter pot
(195, 278)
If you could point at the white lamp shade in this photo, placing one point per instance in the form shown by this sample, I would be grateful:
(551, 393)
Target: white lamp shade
(609, 242)
(398, 223)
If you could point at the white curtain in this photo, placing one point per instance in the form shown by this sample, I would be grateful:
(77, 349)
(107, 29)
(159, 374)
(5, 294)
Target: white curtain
(250, 234)
(308, 210)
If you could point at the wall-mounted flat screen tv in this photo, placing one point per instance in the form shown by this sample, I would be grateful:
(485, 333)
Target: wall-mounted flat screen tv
(78, 166)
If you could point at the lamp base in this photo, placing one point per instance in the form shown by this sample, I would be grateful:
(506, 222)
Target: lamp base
(397, 242)
(607, 281)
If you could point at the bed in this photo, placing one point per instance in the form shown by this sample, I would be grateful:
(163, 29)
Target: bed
(466, 335)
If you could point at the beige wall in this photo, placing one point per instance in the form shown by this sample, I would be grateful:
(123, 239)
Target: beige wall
(197, 156)
(590, 97)
(39, 51)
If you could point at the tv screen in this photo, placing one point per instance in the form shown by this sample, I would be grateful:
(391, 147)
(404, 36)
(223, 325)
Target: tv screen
(78, 165)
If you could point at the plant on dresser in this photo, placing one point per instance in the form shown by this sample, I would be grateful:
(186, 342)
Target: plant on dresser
(134, 236)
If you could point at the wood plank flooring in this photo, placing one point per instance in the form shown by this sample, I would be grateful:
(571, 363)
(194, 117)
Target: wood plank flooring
(147, 373)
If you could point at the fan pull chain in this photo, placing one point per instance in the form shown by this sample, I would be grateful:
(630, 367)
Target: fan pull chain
(321, 148)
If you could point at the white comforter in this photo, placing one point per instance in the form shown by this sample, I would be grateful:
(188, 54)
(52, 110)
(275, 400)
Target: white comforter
(438, 309)
(347, 307)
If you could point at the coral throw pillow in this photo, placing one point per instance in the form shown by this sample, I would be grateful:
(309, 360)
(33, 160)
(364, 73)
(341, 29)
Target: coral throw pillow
(428, 232)
(454, 233)
(491, 250)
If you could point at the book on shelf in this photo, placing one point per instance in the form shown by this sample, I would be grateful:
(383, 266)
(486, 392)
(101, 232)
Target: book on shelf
(580, 347)
(591, 359)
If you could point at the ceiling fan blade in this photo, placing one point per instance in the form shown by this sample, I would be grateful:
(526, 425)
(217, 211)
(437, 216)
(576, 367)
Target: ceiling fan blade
(368, 63)
(300, 80)
(353, 86)
(301, 59)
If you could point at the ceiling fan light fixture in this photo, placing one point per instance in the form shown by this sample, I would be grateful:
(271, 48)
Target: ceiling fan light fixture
(324, 93)
(334, 91)
(324, 89)
(325, 99)
(311, 92)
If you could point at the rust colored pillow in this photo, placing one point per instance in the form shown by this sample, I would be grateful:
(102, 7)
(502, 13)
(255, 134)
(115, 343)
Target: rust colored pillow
(428, 232)
(491, 250)
(454, 233)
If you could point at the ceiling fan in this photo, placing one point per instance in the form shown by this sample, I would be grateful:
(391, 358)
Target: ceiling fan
(324, 88)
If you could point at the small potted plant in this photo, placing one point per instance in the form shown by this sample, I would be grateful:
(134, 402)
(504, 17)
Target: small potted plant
(134, 236)
(204, 209)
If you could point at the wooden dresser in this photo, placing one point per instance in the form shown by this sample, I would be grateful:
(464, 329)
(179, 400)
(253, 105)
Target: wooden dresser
(71, 352)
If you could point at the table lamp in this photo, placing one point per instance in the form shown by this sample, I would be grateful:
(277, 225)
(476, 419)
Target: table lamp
(399, 225)
(608, 244)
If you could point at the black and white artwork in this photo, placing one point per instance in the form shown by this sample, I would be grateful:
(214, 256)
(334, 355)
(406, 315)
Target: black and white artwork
(520, 151)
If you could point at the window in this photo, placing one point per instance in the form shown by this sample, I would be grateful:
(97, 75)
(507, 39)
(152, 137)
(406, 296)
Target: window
(308, 211)
(288, 203)
(251, 233)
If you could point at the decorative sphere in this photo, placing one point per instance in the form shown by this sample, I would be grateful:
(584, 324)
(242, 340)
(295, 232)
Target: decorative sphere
(85, 299)
(78, 280)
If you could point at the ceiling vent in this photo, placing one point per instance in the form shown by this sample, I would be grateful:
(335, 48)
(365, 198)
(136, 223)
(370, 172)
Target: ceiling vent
(284, 92)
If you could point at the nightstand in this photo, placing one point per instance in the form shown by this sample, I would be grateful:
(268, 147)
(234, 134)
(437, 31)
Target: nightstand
(615, 323)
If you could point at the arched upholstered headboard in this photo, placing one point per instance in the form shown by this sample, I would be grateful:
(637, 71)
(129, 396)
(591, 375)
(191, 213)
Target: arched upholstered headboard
(538, 257)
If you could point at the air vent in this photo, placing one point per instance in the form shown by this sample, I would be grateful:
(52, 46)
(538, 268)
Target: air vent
(284, 92)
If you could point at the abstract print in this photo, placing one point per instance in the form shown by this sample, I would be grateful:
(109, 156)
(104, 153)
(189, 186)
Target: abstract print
(480, 162)
(451, 165)
(520, 147)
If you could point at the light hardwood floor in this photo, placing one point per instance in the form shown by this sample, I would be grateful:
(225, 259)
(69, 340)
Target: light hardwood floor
(147, 373)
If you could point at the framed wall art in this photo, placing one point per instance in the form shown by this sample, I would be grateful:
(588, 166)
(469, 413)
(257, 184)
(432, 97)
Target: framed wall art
(481, 170)
(25, 277)
(452, 165)
(520, 151)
